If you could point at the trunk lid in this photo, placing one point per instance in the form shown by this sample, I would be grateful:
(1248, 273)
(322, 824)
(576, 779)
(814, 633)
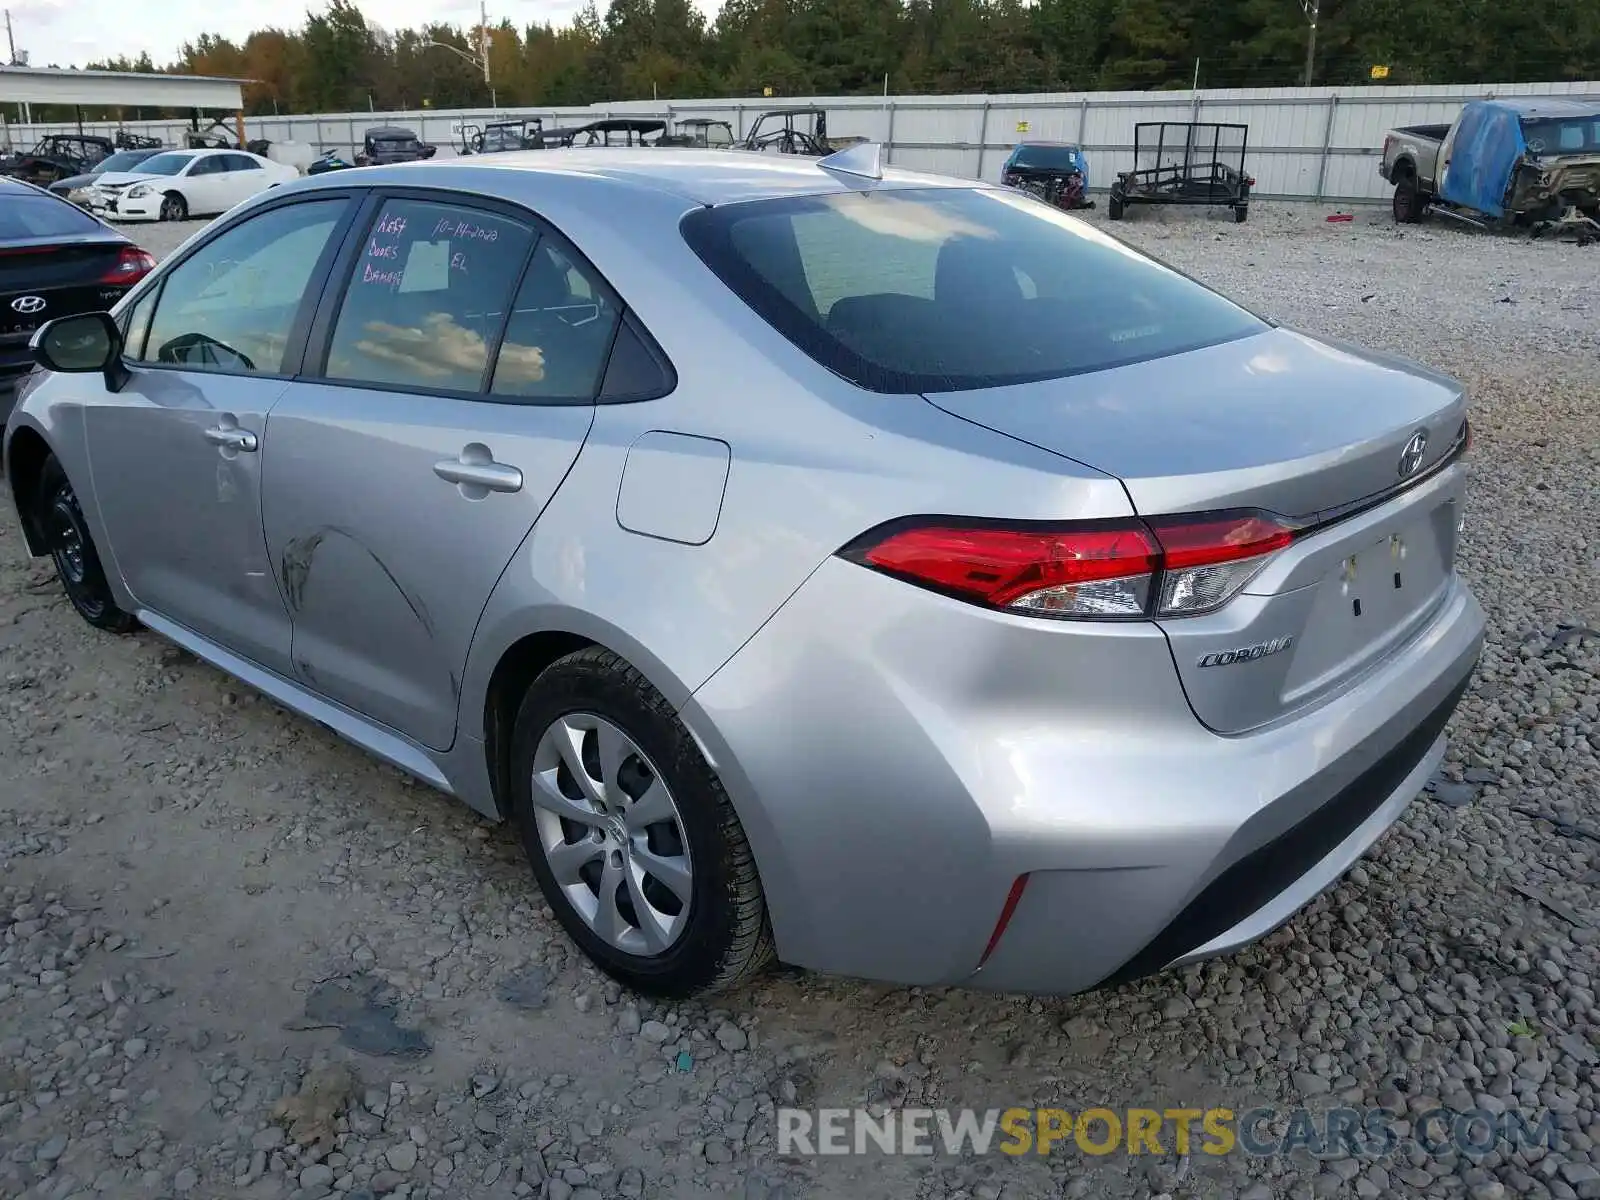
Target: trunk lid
(1307, 429)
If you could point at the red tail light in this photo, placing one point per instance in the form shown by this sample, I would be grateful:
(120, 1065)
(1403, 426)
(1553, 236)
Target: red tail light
(1168, 567)
(132, 265)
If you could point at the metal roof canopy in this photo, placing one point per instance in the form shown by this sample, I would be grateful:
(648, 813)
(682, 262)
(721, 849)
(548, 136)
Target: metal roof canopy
(119, 89)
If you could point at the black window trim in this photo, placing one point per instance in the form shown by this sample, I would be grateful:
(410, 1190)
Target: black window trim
(294, 351)
(336, 284)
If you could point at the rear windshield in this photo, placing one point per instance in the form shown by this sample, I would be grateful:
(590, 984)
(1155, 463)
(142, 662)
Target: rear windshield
(1042, 158)
(1578, 135)
(31, 216)
(950, 289)
(124, 160)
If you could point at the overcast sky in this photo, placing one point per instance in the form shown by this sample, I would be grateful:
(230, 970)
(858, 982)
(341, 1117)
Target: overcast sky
(74, 32)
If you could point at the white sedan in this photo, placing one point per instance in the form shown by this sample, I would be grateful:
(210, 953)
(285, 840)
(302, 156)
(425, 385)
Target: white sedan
(180, 184)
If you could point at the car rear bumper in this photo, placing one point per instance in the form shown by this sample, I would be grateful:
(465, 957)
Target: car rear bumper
(900, 760)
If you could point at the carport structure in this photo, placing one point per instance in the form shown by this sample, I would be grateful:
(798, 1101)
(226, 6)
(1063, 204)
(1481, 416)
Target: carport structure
(123, 89)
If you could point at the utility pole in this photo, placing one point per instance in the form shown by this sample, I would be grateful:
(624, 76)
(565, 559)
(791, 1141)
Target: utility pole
(1312, 9)
(483, 48)
(11, 42)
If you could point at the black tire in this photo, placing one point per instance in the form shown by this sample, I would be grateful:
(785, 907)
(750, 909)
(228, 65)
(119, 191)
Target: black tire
(174, 207)
(1241, 213)
(727, 938)
(1408, 202)
(60, 519)
(1114, 207)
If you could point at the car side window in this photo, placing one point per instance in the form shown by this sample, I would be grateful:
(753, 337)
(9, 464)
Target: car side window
(238, 162)
(562, 325)
(637, 369)
(232, 304)
(428, 297)
(205, 166)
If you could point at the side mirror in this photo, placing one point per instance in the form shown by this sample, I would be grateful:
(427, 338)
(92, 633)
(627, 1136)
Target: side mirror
(81, 344)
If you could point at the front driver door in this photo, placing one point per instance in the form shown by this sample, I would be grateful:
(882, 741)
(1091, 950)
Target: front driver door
(400, 485)
(176, 454)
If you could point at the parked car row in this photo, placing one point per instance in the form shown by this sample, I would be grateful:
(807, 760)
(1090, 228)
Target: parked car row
(175, 185)
(135, 178)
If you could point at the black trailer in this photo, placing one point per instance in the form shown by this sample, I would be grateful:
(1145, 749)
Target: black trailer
(1185, 162)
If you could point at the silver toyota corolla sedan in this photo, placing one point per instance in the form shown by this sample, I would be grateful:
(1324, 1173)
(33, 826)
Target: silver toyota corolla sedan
(885, 573)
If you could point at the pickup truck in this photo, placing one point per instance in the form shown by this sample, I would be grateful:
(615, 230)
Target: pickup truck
(1518, 160)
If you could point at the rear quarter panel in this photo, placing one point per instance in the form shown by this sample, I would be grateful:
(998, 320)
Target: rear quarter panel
(813, 462)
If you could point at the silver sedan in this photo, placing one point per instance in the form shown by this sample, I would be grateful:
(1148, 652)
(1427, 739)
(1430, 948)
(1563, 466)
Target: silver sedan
(885, 573)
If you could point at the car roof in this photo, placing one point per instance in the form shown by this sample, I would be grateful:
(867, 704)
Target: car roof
(704, 177)
(390, 131)
(1546, 106)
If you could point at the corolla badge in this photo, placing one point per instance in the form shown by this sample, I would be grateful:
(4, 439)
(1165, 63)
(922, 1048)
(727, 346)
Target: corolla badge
(1411, 456)
(1226, 658)
(28, 305)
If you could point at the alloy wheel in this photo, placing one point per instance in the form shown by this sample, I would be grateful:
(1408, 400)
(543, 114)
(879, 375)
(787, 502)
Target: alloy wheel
(612, 834)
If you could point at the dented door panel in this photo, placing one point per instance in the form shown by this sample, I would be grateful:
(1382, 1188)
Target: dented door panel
(386, 541)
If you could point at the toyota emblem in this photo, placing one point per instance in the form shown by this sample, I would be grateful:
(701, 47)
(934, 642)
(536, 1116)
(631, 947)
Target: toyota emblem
(1411, 456)
(28, 305)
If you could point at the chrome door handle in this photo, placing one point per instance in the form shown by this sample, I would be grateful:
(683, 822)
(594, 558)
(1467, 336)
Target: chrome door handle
(490, 475)
(231, 439)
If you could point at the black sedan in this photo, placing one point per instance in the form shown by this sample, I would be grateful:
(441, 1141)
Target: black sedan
(122, 160)
(55, 259)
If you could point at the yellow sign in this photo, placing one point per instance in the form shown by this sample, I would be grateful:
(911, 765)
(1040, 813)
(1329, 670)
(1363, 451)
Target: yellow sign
(766, 91)
(1380, 72)
(427, 103)
(1022, 127)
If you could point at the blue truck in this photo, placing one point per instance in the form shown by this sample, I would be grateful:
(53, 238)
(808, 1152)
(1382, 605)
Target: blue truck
(1526, 160)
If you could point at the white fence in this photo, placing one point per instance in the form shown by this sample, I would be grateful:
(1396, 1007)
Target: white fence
(1304, 143)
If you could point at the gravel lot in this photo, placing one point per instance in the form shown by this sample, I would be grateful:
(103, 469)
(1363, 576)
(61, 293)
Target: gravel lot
(206, 903)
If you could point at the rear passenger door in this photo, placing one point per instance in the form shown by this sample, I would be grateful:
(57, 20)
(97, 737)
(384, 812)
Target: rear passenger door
(245, 176)
(459, 352)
